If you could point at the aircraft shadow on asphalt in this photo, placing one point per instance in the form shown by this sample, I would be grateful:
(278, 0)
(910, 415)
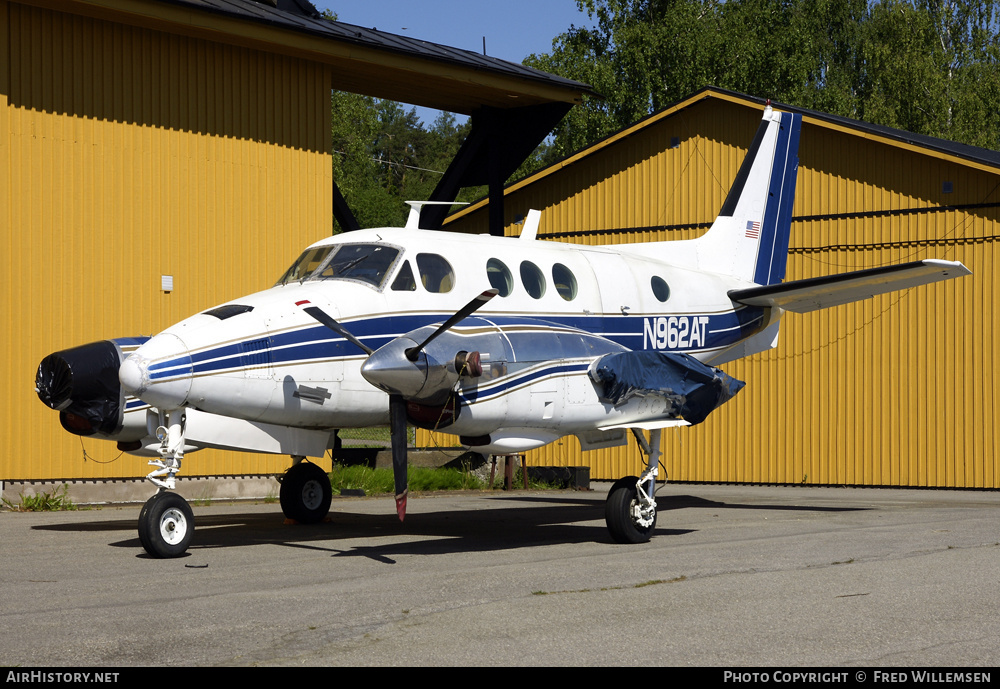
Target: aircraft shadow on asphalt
(554, 519)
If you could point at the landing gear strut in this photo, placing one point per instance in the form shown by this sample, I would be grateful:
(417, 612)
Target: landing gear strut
(305, 493)
(166, 522)
(630, 511)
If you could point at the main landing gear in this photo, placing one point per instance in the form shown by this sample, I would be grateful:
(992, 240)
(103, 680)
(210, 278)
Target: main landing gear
(305, 493)
(630, 510)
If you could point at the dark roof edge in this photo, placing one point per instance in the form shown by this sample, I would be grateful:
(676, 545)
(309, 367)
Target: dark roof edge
(314, 24)
(975, 154)
(982, 156)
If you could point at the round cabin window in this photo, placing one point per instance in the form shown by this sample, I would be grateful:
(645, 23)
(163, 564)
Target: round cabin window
(532, 279)
(565, 281)
(500, 277)
(660, 288)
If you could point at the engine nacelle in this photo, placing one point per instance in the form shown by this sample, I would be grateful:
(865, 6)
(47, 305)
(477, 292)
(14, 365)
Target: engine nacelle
(82, 384)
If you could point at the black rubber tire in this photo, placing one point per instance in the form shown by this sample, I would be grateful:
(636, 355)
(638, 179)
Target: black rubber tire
(166, 525)
(618, 513)
(305, 493)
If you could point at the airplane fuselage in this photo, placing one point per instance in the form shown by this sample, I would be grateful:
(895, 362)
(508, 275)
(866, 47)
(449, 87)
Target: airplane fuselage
(262, 359)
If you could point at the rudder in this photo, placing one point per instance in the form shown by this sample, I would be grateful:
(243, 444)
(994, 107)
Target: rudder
(749, 238)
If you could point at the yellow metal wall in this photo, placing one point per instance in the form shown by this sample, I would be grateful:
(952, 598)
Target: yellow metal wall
(898, 390)
(128, 154)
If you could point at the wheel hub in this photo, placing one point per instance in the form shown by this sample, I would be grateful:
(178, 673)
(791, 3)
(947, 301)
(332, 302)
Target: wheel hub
(642, 517)
(312, 495)
(173, 526)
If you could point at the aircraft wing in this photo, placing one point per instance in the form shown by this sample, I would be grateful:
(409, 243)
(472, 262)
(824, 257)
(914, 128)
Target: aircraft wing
(802, 296)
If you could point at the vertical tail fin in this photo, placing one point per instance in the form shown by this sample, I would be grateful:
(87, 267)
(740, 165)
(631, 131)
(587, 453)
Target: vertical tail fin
(749, 238)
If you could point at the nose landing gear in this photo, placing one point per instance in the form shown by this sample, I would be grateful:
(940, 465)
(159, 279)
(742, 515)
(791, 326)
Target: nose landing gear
(166, 521)
(166, 524)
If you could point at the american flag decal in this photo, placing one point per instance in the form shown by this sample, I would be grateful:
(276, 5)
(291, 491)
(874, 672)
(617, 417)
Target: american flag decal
(753, 229)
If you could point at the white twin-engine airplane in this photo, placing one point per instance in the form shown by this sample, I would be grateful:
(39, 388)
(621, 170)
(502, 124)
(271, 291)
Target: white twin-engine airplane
(377, 325)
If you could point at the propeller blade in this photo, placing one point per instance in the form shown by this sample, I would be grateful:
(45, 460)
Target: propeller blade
(327, 320)
(397, 430)
(413, 352)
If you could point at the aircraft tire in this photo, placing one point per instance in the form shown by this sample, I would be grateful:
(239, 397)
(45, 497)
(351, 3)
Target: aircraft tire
(166, 525)
(618, 513)
(305, 493)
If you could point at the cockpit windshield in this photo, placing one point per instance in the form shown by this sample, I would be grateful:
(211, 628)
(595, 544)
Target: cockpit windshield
(306, 264)
(368, 263)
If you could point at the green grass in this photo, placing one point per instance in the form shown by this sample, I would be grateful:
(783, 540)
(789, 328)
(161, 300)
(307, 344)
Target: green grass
(375, 436)
(379, 481)
(42, 502)
(376, 481)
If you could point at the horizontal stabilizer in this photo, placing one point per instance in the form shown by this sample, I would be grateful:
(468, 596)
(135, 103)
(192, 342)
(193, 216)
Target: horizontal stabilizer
(802, 296)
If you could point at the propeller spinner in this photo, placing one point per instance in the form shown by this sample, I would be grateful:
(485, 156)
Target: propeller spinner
(399, 369)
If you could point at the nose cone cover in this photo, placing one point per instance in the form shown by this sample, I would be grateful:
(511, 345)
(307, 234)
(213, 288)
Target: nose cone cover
(159, 372)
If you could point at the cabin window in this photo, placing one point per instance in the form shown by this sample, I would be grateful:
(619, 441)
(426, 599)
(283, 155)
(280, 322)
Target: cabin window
(368, 263)
(500, 277)
(532, 279)
(404, 281)
(436, 274)
(564, 281)
(660, 288)
(306, 264)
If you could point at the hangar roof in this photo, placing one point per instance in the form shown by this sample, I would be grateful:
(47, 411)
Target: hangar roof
(365, 60)
(973, 156)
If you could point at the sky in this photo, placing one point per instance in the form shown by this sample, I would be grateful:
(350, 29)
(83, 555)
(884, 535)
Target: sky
(513, 29)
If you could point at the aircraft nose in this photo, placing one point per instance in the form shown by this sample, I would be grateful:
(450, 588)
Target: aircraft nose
(159, 372)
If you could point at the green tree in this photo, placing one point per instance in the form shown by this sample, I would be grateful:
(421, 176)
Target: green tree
(931, 67)
(383, 156)
(928, 66)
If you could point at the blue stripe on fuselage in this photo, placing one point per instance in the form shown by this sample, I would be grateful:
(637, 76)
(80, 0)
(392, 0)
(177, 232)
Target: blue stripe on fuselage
(500, 386)
(317, 343)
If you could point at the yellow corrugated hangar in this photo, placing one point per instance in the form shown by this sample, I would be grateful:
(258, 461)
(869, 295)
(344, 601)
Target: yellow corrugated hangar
(897, 390)
(164, 156)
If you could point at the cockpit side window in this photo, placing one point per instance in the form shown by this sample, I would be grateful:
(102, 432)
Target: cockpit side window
(404, 281)
(436, 274)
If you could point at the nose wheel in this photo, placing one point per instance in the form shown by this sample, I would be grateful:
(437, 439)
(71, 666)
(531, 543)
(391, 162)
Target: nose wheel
(305, 493)
(166, 525)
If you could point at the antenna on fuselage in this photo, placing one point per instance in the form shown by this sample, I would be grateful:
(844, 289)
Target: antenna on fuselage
(530, 229)
(413, 219)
